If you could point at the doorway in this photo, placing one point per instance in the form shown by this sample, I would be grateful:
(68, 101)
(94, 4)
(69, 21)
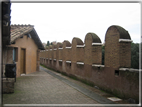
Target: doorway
(22, 61)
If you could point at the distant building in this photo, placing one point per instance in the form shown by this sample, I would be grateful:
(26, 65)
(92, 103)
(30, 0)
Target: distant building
(54, 43)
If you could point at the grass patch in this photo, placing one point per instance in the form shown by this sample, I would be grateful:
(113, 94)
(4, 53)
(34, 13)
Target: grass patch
(64, 73)
(88, 82)
(17, 91)
(73, 77)
(57, 71)
(82, 80)
(43, 65)
(47, 67)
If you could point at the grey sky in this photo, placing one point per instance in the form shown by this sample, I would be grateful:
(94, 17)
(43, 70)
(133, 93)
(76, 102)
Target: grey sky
(63, 21)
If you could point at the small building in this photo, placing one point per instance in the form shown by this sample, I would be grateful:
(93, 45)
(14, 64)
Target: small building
(23, 50)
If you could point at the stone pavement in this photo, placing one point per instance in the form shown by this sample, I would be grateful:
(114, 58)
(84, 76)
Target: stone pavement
(48, 88)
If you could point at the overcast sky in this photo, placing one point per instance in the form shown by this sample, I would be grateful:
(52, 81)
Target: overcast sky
(63, 21)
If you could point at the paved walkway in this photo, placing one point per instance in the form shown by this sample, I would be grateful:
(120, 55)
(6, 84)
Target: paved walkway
(50, 88)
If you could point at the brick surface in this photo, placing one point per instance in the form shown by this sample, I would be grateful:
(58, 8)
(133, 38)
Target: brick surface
(117, 54)
(42, 88)
(93, 54)
(8, 85)
(108, 77)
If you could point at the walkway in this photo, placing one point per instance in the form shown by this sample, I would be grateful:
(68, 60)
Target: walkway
(50, 88)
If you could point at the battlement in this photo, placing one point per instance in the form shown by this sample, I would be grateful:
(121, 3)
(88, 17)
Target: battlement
(84, 60)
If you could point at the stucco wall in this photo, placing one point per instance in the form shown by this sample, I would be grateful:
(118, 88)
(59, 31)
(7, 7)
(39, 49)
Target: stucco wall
(31, 54)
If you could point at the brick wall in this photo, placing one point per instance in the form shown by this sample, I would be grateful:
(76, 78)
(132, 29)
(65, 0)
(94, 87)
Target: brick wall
(67, 50)
(119, 51)
(109, 76)
(125, 54)
(77, 52)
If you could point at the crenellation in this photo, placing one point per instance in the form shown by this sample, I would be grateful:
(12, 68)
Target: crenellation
(67, 50)
(84, 60)
(93, 49)
(117, 47)
(77, 53)
(60, 51)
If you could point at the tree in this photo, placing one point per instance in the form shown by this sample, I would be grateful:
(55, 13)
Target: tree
(48, 43)
(135, 55)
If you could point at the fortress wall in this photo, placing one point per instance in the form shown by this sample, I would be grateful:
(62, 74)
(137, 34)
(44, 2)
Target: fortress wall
(83, 60)
(67, 53)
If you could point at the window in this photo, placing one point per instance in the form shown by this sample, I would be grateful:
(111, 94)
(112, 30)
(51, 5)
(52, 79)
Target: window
(116, 72)
(15, 54)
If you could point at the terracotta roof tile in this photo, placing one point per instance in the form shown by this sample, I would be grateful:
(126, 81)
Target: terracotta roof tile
(19, 30)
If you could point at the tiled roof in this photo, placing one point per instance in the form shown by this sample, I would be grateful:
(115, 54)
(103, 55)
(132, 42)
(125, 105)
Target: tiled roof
(19, 30)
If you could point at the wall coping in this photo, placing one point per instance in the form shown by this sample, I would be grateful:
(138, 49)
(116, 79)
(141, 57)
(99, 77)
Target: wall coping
(97, 44)
(68, 61)
(68, 47)
(98, 65)
(60, 60)
(130, 69)
(80, 46)
(60, 48)
(81, 63)
(125, 40)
